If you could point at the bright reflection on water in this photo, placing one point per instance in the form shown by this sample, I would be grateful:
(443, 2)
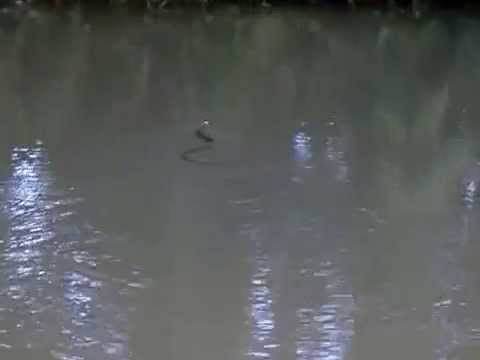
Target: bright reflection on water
(325, 333)
(470, 193)
(262, 317)
(46, 255)
(302, 145)
(325, 330)
(27, 208)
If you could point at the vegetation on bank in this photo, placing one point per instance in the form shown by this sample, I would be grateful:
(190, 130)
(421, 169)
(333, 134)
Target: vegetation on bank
(412, 6)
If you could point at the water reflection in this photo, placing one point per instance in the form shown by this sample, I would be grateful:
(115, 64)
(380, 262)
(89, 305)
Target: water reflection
(325, 331)
(335, 153)
(470, 193)
(26, 207)
(262, 318)
(31, 228)
(57, 297)
(455, 311)
(302, 146)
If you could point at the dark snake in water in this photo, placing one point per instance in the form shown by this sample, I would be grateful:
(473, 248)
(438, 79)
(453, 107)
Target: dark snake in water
(202, 133)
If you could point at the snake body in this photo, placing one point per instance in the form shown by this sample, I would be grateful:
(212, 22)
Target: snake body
(202, 134)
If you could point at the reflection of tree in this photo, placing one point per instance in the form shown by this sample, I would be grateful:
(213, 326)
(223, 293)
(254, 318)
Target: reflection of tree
(415, 166)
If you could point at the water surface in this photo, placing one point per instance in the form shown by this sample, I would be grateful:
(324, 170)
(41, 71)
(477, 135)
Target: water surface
(341, 224)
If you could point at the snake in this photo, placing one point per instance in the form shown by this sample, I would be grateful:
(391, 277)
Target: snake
(202, 134)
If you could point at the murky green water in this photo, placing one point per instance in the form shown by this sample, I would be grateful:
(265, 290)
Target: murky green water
(340, 224)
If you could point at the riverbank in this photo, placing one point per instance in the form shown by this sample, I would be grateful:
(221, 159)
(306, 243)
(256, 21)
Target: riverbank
(404, 7)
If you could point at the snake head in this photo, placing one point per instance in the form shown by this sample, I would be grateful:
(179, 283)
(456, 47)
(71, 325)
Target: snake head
(203, 133)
